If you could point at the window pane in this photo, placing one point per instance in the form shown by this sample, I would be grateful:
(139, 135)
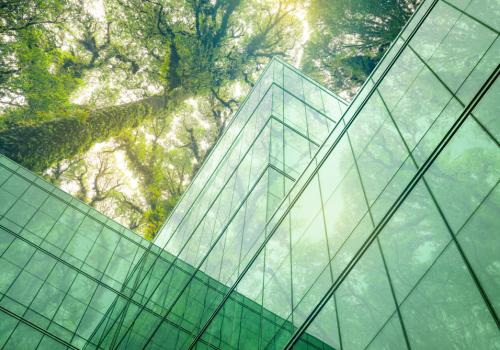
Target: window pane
(364, 301)
(464, 173)
(446, 311)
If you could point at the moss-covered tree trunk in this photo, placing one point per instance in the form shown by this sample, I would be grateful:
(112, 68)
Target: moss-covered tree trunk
(39, 146)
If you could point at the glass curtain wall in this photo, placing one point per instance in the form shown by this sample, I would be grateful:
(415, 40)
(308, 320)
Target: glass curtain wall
(61, 263)
(270, 141)
(391, 240)
(310, 226)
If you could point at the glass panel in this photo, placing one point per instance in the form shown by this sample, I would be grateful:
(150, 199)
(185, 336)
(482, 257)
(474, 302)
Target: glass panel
(390, 337)
(426, 97)
(460, 51)
(324, 328)
(412, 240)
(364, 301)
(488, 110)
(487, 11)
(464, 173)
(479, 241)
(448, 315)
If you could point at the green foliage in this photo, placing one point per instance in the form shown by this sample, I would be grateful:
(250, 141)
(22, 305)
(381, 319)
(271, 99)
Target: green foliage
(160, 54)
(44, 82)
(350, 38)
(38, 146)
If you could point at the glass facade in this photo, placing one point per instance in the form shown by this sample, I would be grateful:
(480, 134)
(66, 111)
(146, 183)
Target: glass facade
(220, 223)
(311, 225)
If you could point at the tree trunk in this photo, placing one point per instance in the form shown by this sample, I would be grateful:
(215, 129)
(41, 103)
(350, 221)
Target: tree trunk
(39, 146)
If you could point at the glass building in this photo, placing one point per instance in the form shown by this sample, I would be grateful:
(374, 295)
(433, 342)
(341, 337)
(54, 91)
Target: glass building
(312, 224)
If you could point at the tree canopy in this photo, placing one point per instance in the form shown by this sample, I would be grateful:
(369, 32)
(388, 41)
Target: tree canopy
(119, 101)
(351, 36)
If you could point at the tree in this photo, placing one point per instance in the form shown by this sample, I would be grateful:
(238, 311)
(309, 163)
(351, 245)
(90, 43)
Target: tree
(351, 36)
(154, 83)
(192, 48)
(132, 76)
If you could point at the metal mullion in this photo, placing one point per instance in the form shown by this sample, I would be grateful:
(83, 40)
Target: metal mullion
(283, 116)
(380, 330)
(282, 173)
(441, 214)
(404, 194)
(307, 121)
(199, 222)
(223, 254)
(478, 206)
(291, 267)
(205, 257)
(305, 76)
(485, 129)
(337, 319)
(263, 273)
(285, 195)
(244, 202)
(317, 167)
(34, 326)
(393, 294)
(103, 273)
(202, 190)
(37, 247)
(241, 242)
(219, 140)
(323, 104)
(261, 314)
(68, 204)
(325, 228)
(305, 103)
(231, 175)
(39, 342)
(368, 206)
(79, 271)
(470, 16)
